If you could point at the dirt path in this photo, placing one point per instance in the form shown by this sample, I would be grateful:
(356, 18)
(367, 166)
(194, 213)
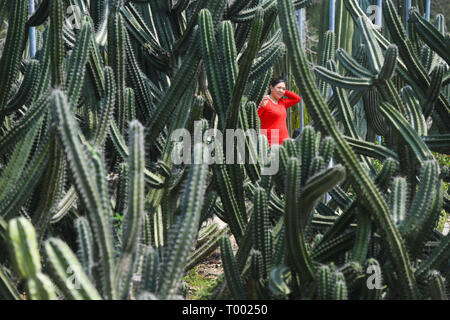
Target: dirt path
(210, 270)
(212, 266)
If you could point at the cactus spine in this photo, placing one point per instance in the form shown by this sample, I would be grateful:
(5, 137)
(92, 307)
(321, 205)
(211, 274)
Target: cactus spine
(86, 186)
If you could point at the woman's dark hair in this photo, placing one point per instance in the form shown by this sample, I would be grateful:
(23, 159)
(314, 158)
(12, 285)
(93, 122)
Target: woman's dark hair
(276, 81)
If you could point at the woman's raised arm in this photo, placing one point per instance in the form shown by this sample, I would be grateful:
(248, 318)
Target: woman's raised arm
(291, 100)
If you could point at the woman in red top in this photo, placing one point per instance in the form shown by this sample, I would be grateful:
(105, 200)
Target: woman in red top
(272, 111)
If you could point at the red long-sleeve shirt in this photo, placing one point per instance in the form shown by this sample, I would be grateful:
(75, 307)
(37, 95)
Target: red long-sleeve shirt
(273, 116)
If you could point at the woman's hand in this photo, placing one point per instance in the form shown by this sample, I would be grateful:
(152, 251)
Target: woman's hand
(264, 101)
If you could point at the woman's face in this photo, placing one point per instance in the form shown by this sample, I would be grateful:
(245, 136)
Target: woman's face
(278, 90)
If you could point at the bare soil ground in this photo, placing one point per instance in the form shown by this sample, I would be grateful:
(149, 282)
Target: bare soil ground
(210, 269)
(212, 266)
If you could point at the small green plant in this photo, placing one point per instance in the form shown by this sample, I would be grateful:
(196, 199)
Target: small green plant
(118, 219)
(201, 286)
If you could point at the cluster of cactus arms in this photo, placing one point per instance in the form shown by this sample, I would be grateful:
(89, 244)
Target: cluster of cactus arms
(94, 205)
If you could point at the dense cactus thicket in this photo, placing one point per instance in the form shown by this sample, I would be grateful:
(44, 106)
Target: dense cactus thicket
(93, 204)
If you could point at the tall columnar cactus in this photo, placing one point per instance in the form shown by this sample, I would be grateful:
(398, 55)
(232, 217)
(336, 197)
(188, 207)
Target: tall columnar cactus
(244, 70)
(263, 240)
(56, 13)
(87, 186)
(27, 261)
(65, 265)
(183, 232)
(220, 91)
(117, 59)
(10, 60)
(78, 60)
(323, 118)
(294, 231)
(232, 275)
(133, 218)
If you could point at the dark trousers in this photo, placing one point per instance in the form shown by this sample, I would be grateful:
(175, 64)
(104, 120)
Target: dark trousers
(296, 133)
